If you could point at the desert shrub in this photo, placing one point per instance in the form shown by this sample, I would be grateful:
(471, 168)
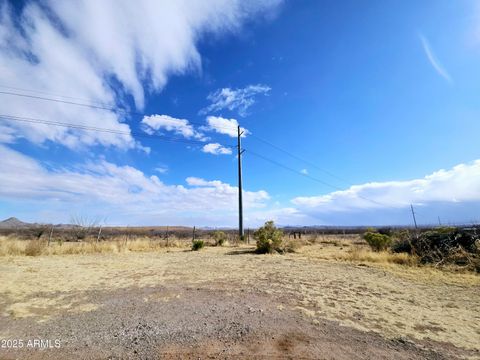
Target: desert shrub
(376, 240)
(35, 247)
(220, 238)
(401, 246)
(10, 247)
(197, 245)
(293, 245)
(448, 246)
(269, 239)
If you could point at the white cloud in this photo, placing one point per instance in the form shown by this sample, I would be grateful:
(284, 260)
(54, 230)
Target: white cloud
(235, 99)
(304, 171)
(433, 59)
(164, 122)
(194, 181)
(216, 149)
(161, 169)
(224, 126)
(459, 184)
(137, 44)
(114, 190)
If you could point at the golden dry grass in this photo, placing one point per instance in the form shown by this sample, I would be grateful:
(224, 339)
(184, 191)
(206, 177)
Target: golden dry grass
(388, 298)
(363, 254)
(15, 247)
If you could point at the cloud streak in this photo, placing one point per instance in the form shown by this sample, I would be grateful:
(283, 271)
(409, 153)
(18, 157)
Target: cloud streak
(239, 100)
(433, 59)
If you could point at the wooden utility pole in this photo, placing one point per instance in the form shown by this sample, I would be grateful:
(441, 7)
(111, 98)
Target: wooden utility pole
(240, 191)
(414, 219)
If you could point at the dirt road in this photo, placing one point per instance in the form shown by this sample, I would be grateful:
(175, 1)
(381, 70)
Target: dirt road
(230, 303)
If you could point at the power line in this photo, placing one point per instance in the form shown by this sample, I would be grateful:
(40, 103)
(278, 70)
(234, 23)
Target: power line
(314, 178)
(293, 170)
(67, 102)
(53, 94)
(106, 130)
(100, 106)
(300, 159)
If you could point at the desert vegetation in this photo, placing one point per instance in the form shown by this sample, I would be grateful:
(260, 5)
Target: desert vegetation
(232, 293)
(449, 248)
(444, 246)
(305, 278)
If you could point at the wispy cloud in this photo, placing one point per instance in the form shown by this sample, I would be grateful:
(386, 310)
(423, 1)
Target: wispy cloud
(153, 123)
(48, 47)
(434, 60)
(161, 169)
(224, 126)
(239, 100)
(216, 149)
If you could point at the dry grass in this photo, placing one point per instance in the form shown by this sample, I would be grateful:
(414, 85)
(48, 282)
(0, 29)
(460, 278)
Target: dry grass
(14, 247)
(361, 254)
(354, 249)
(387, 298)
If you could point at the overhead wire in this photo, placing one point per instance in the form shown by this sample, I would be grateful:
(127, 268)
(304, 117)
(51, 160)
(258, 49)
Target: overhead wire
(54, 94)
(314, 178)
(106, 130)
(98, 106)
(301, 159)
(101, 106)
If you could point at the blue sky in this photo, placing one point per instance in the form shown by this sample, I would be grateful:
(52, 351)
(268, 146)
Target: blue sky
(383, 95)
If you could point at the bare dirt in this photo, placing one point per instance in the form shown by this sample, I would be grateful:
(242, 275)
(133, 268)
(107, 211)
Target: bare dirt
(230, 303)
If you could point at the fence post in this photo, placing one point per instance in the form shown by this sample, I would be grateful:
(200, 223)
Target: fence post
(167, 236)
(50, 237)
(99, 233)
(193, 239)
(126, 236)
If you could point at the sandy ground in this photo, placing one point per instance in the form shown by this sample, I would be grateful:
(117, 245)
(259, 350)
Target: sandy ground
(228, 302)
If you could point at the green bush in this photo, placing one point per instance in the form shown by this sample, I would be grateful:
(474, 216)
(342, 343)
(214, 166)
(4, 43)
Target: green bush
(220, 238)
(197, 245)
(269, 239)
(377, 241)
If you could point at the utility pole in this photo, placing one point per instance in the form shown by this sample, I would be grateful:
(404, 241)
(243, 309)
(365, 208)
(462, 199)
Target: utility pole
(413, 214)
(240, 190)
(439, 222)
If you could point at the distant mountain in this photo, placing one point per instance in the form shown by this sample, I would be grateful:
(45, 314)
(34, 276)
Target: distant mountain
(13, 222)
